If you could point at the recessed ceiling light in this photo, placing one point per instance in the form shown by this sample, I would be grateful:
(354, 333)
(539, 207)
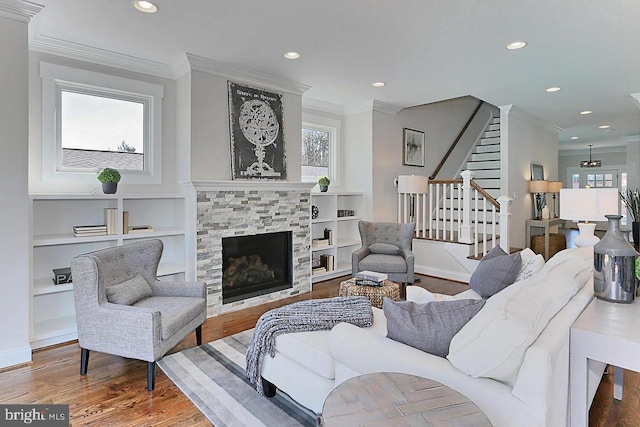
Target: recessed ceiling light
(292, 55)
(604, 127)
(585, 112)
(516, 45)
(145, 6)
(574, 137)
(378, 84)
(553, 89)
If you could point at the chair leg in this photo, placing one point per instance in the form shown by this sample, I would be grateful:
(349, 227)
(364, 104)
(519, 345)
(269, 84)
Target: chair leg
(151, 375)
(199, 335)
(268, 388)
(84, 361)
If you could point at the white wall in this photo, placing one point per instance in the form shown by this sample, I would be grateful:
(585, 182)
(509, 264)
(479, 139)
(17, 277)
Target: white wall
(633, 164)
(525, 139)
(36, 182)
(14, 202)
(357, 158)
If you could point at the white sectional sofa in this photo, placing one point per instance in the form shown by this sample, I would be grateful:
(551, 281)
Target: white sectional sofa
(308, 365)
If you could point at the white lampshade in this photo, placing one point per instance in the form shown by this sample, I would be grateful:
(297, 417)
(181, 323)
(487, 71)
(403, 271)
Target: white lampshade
(412, 184)
(588, 204)
(554, 186)
(538, 186)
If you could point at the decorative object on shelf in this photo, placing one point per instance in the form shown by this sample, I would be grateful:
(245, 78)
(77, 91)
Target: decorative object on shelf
(554, 188)
(328, 234)
(109, 178)
(62, 276)
(345, 212)
(588, 204)
(314, 212)
(590, 163)
(413, 147)
(538, 188)
(324, 182)
(546, 214)
(257, 140)
(140, 229)
(631, 199)
(614, 261)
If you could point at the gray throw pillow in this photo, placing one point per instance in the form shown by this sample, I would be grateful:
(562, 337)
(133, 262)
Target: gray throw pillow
(384, 249)
(129, 292)
(429, 327)
(496, 271)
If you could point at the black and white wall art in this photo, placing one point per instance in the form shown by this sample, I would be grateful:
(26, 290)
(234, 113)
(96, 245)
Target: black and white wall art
(257, 134)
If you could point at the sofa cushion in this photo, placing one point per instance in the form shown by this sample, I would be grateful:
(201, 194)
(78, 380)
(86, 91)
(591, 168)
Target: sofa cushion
(129, 292)
(531, 264)
(386, 263)
(175, 312)
(496, 271)
(430, 326)
(384, 249)
(494, 342)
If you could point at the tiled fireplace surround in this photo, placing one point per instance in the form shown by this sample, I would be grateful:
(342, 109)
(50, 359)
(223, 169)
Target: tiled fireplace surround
(240, 208)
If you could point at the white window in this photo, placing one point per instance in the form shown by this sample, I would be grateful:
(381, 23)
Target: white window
(92, 121)
(319, 152)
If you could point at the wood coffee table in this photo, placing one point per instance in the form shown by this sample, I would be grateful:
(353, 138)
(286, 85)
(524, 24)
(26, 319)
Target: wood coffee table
(394, 399)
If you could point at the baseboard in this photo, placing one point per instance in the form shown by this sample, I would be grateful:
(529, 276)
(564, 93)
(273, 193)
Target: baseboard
(15, 356)
(444, 274)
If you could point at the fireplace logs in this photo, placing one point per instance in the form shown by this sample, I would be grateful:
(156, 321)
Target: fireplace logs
(243, 271)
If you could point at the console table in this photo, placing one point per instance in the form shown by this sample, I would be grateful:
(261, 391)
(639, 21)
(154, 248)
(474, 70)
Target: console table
(545, 224)
(394, 399)
(607, 332)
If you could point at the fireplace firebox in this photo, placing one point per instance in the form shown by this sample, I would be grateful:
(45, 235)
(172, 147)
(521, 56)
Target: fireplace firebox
(256, 265)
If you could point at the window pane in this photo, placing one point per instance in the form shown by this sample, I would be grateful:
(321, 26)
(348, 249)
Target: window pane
(315, 152)
(575, 180)
(101, 132)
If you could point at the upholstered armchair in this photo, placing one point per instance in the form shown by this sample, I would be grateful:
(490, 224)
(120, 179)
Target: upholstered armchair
(123, 309)
(386, 248)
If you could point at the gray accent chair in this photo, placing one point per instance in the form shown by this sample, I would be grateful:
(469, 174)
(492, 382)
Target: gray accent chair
(399, 267)
(147, 328)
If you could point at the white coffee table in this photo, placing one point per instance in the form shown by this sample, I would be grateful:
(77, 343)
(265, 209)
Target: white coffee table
(607, 332)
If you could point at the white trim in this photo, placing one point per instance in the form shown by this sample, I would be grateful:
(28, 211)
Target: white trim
(372, 105)
(519, 113)
(256, 185)
(334, 127)
(243, 75)
(322, 106)
(636, 97)
(445, 274)
(19, 10)
(601, 150)
(383, 107)
(53, 77)
(15, 356)
(80, 52)
(631, 138)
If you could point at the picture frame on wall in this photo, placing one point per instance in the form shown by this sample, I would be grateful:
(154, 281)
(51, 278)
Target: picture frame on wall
(257, 133)
(413, 144)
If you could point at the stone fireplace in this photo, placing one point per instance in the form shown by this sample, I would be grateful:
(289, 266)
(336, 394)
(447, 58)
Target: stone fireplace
(228, 209)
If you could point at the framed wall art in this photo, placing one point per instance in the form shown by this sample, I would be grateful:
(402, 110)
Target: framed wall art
(413, 147)
(257, 134)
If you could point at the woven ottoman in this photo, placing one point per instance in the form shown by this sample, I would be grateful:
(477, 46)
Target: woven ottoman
(375, 294)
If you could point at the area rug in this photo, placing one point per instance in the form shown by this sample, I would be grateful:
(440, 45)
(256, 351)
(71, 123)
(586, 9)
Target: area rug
(213, 377)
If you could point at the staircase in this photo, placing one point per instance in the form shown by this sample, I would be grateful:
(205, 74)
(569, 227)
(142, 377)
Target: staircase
(484, 161)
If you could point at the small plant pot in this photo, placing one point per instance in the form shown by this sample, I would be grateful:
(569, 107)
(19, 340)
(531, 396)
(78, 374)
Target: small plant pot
(324, 188)
(109, 187)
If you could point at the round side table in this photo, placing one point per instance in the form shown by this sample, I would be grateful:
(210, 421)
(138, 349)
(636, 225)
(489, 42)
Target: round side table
(375, 294)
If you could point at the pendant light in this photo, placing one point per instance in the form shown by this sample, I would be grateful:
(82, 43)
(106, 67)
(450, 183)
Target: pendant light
(590, 163)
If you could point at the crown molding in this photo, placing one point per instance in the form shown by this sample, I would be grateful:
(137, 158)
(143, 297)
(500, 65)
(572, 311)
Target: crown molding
(80, 52)
(631, 138)
(325, 107)
(636, 96)
(216, 68)
(599, 150)
(383, 107)
(373, 105)
(19, 10)
(514, 111)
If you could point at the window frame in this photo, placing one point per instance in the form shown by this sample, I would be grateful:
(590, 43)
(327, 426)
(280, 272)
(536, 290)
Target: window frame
(56, 79)
(333, 128)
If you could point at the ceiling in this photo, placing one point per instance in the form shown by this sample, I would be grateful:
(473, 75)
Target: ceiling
(425, 50)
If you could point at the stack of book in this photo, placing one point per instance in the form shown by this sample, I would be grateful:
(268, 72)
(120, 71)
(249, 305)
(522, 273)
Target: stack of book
(326, 261)
(140, 229)
(319, 243)
(370, 278)
(111, 220)
(89, 230)
(318, 270)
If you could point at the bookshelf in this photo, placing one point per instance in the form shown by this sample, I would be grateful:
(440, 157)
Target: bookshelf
(346, 237)
(52, 245)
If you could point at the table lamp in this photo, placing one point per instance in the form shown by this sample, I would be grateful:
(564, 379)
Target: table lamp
(554, 187)
(538, 188)
(409, 186)
(588, 204)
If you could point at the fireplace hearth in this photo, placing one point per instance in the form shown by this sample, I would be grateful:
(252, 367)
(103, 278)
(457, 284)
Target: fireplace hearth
(254, 265)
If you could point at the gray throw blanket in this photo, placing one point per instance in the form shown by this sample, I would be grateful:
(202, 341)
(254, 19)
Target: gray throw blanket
(312, 315)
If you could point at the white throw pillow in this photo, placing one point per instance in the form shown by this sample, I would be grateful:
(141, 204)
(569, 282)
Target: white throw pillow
(494, 342)
(531, 264)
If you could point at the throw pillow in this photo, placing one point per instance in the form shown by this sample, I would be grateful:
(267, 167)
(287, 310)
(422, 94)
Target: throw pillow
(496, 271)
(531, 264)
(431, 326)
(384, 249)
(129, 292)
(493, 344)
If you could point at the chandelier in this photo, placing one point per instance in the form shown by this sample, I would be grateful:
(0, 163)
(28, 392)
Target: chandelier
(590, 163)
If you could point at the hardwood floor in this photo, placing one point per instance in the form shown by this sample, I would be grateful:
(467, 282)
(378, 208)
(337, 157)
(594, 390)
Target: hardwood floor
(113, 393)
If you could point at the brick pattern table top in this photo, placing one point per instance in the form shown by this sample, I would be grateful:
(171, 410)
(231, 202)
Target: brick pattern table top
(375, 294)
(392, 399)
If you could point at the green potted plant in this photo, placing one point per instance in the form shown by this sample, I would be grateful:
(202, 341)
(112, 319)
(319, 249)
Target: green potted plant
(324, 182)
(631, 199)
(109, 178)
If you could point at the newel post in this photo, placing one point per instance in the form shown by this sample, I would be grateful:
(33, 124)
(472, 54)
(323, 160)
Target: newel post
(467, 234)
(505, 222)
